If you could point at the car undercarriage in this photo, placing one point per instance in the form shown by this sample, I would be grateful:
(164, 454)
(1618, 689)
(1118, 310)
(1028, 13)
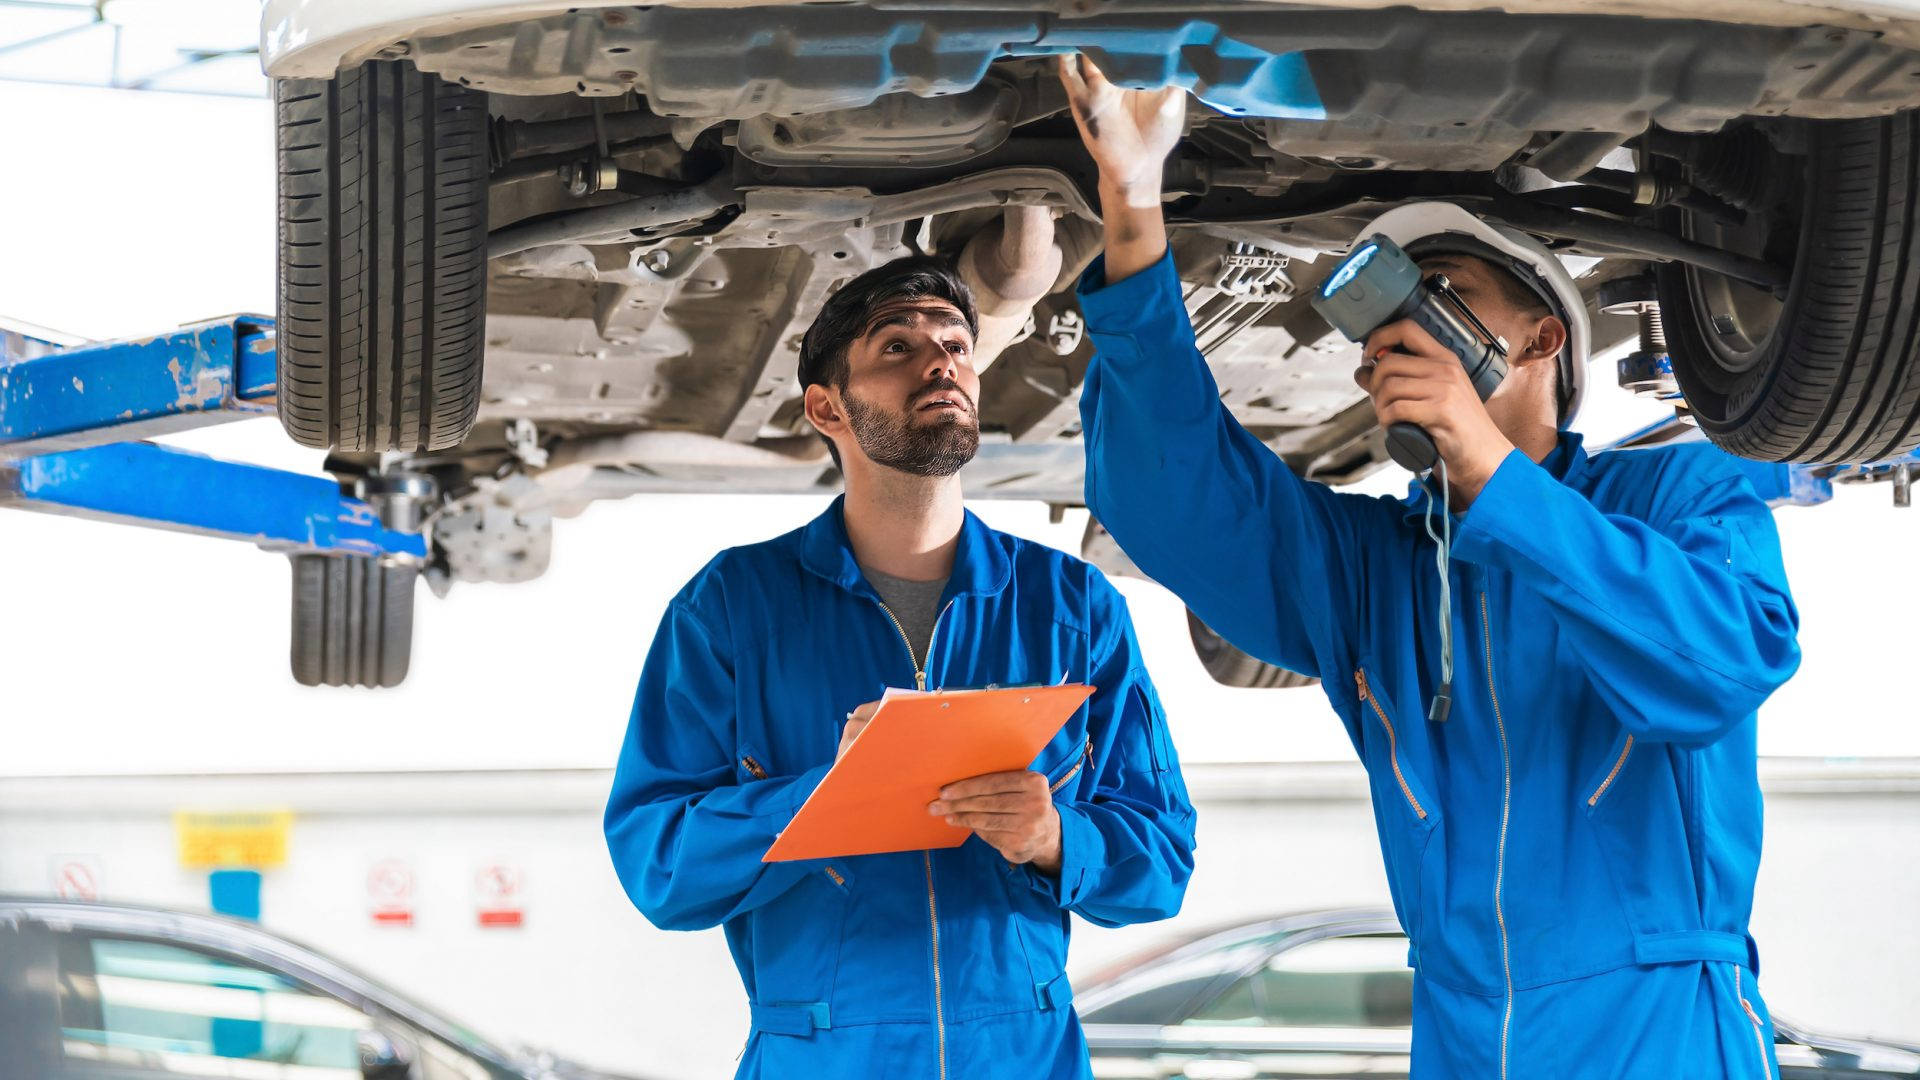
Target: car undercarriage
(671, 192)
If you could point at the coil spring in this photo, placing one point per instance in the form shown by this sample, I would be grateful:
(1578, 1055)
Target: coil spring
(1653, 330)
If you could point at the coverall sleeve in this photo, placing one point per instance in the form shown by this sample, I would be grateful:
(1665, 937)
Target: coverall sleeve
(1270, 561)
(1685, 626)
(1126, 851)
(686, 837)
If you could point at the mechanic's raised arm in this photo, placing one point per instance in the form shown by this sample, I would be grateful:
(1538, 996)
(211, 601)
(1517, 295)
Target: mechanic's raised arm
(685, 832)
(1266, 559)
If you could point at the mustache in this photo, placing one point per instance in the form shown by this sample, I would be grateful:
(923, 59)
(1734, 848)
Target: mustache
(938, 386)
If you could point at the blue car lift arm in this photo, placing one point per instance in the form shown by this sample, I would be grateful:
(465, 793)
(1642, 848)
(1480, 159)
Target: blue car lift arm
(116, 391)
(1784, 485)
(68, 419)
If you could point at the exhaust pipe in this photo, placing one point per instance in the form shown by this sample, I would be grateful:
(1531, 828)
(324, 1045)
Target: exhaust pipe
(1010, 266)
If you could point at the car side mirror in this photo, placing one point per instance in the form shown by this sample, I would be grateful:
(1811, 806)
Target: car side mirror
(384, 1057)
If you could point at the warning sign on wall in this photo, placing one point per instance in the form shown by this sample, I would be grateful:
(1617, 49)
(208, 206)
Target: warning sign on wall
(76, 877)
(390, 893)
(499, 891)
(245, 839)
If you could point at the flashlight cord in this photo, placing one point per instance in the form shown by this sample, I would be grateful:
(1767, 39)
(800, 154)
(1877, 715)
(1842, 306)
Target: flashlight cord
(1443, 697)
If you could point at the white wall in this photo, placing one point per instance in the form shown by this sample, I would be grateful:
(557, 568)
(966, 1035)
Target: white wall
(589, 978)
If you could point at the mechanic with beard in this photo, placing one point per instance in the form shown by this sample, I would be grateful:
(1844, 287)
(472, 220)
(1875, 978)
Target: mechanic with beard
(1571, 826)
(768, 663)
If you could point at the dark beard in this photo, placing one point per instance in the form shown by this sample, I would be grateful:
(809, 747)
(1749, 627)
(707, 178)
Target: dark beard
(939, 448)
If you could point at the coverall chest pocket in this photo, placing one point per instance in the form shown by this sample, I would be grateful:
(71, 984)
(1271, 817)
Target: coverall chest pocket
(1607, 777)
(1065, 761)
(749, 764)
(1406, 812)
(1390, 770)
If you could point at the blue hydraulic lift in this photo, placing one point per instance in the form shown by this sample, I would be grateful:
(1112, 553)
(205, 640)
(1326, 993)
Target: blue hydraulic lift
(72, 423)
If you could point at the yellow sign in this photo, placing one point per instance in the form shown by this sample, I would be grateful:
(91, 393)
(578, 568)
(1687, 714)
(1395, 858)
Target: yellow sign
(250, 839)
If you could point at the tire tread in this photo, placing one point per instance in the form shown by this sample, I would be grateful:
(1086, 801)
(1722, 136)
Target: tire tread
(382, 239)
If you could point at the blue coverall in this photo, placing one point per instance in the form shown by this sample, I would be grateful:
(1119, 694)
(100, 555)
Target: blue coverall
(1573, 852)
(912, 965)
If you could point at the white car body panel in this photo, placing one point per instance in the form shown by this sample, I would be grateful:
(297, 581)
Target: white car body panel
(316, 38)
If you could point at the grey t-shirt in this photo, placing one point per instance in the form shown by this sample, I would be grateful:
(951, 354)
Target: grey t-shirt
(916, 604)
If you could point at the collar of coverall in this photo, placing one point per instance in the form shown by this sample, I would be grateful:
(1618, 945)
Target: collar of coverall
(980, 562)
(1564, 463)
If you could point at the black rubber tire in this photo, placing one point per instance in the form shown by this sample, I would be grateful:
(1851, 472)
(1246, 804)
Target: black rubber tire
(383, 258)
(1837, 379)
(1231, 667)
(352, 621)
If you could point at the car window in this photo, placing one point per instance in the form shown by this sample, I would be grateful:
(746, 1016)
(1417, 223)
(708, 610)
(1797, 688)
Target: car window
(1162, 993)
(183, 1012)
(1348, 982)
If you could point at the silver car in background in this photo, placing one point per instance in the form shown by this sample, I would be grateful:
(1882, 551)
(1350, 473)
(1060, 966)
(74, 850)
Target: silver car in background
(1324, 995)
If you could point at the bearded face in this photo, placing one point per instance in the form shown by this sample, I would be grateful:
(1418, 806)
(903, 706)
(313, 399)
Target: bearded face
(935, 431)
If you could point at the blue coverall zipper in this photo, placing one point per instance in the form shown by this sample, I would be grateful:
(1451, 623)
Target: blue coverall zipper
(1500, 864)
(926, 857)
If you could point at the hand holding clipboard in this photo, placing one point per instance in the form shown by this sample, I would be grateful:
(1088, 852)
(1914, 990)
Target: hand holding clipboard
(875, 797)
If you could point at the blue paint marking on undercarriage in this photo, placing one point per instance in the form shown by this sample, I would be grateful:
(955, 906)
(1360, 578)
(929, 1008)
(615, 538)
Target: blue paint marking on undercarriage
(742, 63)
(1237, 78)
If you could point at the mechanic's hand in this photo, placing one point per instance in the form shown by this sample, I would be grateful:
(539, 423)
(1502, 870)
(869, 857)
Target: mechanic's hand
(1128, 132)
(1013, 811)
(857, 721)
(1414, 379)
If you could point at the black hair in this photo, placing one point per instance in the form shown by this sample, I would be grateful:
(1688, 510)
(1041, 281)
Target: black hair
(844, 317)
(1516, 294)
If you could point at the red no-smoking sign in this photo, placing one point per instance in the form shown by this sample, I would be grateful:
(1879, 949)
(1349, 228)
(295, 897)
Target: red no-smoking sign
(390, 893)
(499, 891)
(76, 877)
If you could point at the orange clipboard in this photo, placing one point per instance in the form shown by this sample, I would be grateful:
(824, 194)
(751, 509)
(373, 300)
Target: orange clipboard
(875, 797)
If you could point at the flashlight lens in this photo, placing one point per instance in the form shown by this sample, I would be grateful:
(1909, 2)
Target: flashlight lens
(1346, 271)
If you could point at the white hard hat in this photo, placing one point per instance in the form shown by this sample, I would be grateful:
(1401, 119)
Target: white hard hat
(1429, 228)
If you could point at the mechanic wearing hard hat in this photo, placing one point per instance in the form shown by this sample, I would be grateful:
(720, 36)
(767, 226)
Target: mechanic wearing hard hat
(1572, 847)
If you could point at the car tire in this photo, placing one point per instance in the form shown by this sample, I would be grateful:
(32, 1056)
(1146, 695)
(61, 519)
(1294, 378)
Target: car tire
(1231, 667)
(352, 620)
(1831, 372)
(383, 258)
